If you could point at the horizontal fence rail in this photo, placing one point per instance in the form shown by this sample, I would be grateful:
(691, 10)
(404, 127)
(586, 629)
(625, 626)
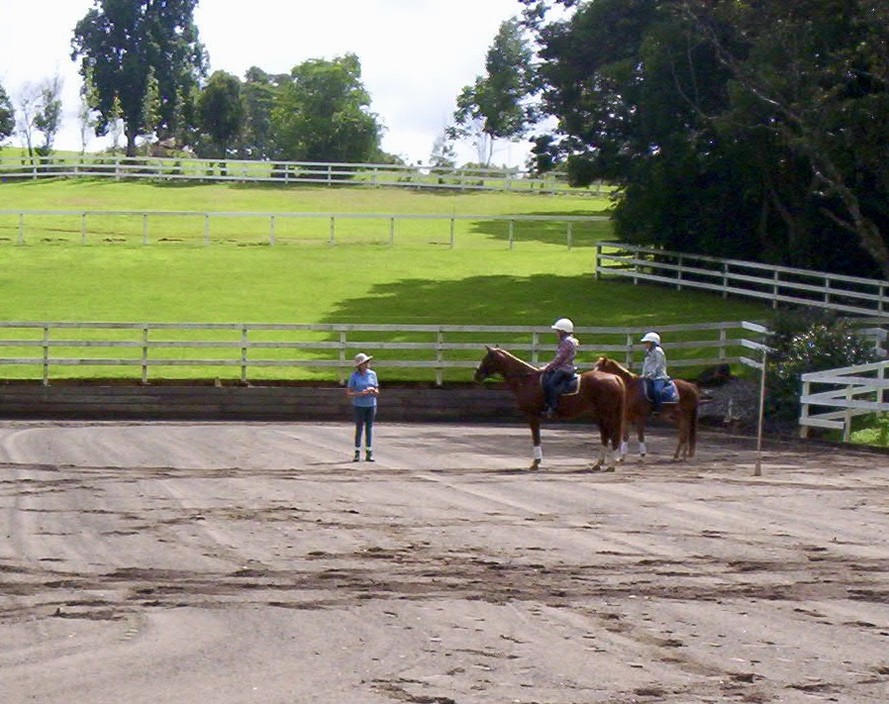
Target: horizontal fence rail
(160, 168)
(850, 392)
(49, 351)
(152, 226)
(778, 284)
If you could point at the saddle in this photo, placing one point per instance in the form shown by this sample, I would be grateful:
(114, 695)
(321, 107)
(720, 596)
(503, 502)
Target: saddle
(569, 387)
(669, 394)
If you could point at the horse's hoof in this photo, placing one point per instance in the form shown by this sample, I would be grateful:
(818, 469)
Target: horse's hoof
(608, 469)
(596, 468)
(535, 465)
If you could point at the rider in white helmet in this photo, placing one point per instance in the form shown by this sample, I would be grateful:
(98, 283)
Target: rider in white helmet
(561, 369)
(654, 367)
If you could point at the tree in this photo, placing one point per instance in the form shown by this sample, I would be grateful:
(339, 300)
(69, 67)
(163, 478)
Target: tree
(48, 114)
(259, 91)
(7, 115)
(121, 44)
(221, 111)
(322, 114)
(497, 105)
(748, 130)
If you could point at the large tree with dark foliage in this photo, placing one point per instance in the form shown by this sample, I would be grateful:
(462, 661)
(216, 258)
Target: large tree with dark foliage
(746, 129)
(124, 47)
(7, 115)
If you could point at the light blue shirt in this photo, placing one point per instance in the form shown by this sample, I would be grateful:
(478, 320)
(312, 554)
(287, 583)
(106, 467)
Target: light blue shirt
(360, 382)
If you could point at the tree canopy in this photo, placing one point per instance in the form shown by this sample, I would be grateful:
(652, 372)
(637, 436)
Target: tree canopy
(124, 47)
(323, 113)
(754, 130)
(7, 115)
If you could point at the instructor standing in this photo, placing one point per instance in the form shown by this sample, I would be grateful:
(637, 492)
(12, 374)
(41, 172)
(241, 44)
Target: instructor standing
(363, 388)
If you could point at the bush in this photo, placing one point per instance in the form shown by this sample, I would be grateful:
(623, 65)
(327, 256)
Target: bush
(808, 342)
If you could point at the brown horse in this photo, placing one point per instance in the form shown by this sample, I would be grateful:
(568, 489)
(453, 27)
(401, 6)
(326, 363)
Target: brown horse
(684, 413)
(600, 395)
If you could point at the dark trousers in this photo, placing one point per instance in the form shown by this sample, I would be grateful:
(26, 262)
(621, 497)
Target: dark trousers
(553, 383)
(364, 422)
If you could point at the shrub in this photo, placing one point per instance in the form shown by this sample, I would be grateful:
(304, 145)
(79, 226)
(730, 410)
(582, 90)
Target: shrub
(808, 342)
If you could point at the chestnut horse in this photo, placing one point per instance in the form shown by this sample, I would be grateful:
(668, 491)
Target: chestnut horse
(600, 395)
(684, 413)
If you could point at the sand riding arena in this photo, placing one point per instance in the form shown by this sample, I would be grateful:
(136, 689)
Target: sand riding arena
(241, 562)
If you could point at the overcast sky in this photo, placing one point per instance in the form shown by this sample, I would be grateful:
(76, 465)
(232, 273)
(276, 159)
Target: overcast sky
(415, 55)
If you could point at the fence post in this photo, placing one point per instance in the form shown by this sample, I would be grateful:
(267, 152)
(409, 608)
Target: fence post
(243, 354)
(144, 228)
(271, 229)
(391, 226)
(452, 232)
(206, 229)
(331, 234)
(847, 415)
(46, 355)
(145, 354)
(511, 232)
(342, 351)
(725, 279)
(775, 289)
(804, 413)
(83, 228)
(535, 345)
(571, 243)
(598, 260)
(21, 228)
(439, 357)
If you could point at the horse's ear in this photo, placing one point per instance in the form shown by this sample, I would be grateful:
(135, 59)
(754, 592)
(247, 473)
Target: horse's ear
(488, 347)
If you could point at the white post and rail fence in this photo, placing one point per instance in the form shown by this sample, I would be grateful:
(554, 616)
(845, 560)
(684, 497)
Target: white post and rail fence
(733, 277)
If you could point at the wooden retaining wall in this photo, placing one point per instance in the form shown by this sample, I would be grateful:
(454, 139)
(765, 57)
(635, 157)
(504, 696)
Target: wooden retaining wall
(96, 401)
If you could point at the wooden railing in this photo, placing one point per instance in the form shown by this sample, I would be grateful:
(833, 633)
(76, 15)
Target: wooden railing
(288, 172)
(49, 351)
(152, 226)
(850, 392)
(778, 284)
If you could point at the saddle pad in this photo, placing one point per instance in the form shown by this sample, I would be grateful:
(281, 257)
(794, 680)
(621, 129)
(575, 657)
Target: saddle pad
(669, 394)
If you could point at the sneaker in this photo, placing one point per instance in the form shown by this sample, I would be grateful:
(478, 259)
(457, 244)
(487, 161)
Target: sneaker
(369, 457)
(357, 456)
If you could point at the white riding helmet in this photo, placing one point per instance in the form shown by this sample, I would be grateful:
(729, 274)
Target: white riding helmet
(563, 324)
(651, 337)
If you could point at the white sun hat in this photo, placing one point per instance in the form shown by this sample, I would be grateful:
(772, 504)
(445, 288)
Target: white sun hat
(361, 358)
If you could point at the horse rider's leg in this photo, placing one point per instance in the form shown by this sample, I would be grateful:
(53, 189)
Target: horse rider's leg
(535, 437)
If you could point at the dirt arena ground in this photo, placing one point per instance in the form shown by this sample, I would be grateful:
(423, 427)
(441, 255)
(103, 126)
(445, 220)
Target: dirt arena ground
(252, 563)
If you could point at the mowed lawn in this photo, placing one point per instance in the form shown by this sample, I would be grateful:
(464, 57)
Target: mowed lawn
(363, 278)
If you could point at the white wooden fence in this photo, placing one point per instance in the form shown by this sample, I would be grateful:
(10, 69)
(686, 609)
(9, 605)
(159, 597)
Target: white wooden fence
(146, 351)
(288, 172)
(849, 392)
(91, 226)
(778, 284)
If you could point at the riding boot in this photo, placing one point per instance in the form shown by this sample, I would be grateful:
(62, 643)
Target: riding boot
(369, 456)
(357, 456)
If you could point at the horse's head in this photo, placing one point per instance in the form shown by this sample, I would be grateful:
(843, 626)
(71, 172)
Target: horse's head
(600, 365)
(489, 365)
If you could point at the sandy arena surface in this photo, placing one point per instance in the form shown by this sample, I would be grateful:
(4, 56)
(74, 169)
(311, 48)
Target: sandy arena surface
(252, 563)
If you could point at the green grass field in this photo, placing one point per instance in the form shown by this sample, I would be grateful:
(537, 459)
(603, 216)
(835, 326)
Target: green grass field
(420, 279)
(238, 277)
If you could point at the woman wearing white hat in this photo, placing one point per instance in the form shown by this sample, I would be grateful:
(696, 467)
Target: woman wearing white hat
(561, 369)
(363, 388)
(654, 367)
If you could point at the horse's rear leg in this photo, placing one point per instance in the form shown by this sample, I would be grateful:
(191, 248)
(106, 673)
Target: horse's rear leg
(640, 436)
(534, 423)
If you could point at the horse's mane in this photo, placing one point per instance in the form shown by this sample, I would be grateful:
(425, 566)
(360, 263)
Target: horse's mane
(510, 355)
(617, 364)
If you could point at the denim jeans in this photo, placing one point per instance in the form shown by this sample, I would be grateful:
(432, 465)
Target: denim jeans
(364, 422)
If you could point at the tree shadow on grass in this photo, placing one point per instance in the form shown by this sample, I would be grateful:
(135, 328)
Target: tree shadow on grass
(579, 234)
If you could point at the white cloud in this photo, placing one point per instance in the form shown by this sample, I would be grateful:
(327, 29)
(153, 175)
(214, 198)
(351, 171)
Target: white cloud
(415, 55)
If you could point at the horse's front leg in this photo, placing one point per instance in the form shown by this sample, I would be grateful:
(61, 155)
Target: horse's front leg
(534, 423)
